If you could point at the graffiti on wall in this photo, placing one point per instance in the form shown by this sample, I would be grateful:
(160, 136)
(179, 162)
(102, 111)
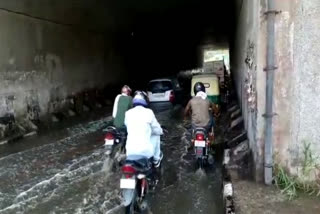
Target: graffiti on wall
(6, 104)
(54, 67)
(33, 107)
(50, 62)
(39, 58)
(57, 99)
(250, 77)
(7, 118)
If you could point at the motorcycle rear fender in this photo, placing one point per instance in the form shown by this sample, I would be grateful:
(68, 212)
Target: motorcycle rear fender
(128, 196)
(198, 154)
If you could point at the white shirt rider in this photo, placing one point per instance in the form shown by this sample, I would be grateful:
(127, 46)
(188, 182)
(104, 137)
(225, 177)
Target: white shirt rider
(143, 132)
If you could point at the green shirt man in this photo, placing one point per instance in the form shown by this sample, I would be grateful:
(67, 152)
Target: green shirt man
(122, 103)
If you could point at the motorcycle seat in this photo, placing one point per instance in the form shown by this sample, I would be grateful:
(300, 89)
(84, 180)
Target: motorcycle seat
(201, 130)
(141, 163)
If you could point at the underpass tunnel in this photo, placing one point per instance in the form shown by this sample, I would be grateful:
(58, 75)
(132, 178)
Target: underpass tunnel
(52, 50)
(55, 55)
(64, 58)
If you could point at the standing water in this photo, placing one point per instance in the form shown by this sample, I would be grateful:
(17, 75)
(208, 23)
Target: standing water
(74, 175)
(183, 189)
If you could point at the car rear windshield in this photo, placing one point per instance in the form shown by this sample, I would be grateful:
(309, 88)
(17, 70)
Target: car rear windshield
(159, 86)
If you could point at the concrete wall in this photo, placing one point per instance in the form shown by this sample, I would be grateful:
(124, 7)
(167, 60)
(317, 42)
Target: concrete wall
(245, 68)
(284, 86)
(93, 14)
(307, 63)
(296, 83)
(42, 62)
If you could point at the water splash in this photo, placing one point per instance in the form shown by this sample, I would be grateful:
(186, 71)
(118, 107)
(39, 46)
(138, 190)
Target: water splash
(107, 165)
(200, 173)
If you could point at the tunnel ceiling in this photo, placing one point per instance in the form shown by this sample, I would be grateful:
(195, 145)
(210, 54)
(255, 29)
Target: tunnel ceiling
(165, 33)
(126, 15)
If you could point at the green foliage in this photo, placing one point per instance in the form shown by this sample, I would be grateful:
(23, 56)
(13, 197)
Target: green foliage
(292, 185)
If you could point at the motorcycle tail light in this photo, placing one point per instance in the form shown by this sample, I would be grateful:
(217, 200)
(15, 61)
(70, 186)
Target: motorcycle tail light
(109, 136)
(128, 171)
(199, 137)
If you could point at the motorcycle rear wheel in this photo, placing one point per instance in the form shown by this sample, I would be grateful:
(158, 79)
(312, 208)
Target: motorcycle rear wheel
(131, 208)
(200, 163)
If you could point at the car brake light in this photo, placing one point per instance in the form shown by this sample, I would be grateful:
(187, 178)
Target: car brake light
(172, 98)
(109, 136)
(199, 137)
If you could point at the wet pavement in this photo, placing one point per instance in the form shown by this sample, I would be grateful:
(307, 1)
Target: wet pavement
(73, 175)
(251, 198)
(183, 189)
(52, 132)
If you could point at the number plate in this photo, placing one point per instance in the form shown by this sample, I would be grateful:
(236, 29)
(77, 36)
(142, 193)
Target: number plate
(127, 183)
(108, 142)
(159, 95)
(200, 143)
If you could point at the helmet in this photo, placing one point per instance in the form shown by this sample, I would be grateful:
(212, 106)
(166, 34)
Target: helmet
(126, 90)
(140, 98)
(199, 86)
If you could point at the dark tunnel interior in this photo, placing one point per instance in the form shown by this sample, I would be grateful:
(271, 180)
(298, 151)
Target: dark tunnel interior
(159, 39)
(65, 63)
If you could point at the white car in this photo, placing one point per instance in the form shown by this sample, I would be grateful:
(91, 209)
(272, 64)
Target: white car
(161, 90)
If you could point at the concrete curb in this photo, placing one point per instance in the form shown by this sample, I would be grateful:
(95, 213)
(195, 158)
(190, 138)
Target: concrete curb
(236, 121)
(235, 113)
(18, 137)
(236, 140)
(233, 108)
(25, 128)
(228, 197)
(75, 104)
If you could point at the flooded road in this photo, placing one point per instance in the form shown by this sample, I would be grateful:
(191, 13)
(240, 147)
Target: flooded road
(74, 175)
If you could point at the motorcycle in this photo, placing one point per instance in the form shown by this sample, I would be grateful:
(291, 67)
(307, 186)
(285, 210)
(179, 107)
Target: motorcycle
(114, 140)
(137, 181)
(201, 142)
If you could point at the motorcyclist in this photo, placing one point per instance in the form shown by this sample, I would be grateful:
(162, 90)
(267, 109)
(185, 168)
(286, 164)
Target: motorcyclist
(143, 130)
(199, 106)
(122, 103)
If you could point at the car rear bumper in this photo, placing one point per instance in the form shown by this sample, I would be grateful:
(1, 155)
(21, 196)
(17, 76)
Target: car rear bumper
(160, 106)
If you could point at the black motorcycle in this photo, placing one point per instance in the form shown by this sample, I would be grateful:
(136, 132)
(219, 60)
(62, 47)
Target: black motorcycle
(114, 140)
(201, 144)
(139, 177)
